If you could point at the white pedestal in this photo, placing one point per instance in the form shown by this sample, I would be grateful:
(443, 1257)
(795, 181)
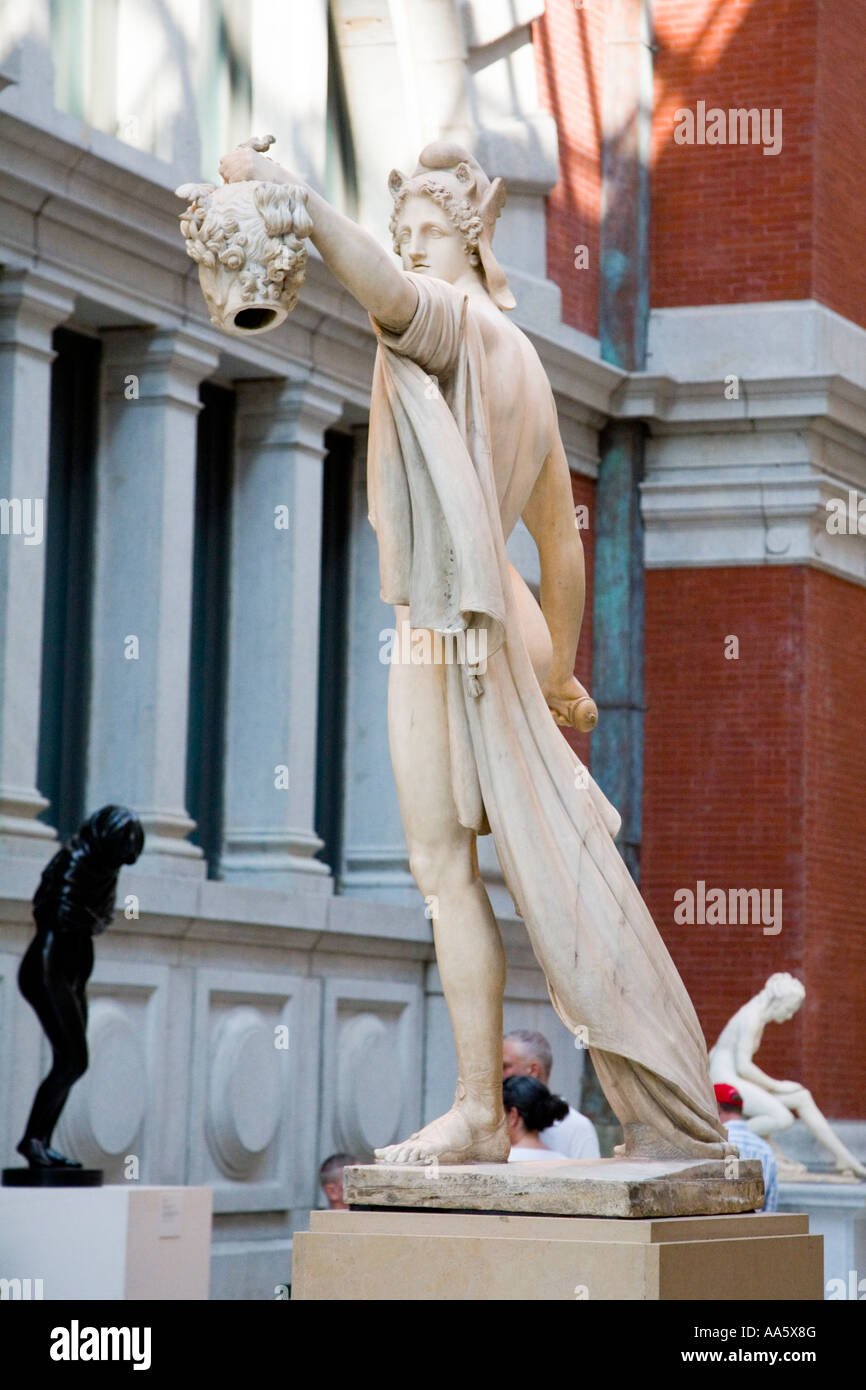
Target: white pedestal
(836, 1211)
(105, 1242)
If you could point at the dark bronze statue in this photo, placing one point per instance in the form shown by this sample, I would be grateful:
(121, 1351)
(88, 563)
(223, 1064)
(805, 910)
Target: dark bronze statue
(74, 902)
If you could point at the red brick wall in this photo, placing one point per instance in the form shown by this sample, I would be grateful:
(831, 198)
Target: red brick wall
(834, 651)
(569, 56)
(730, 224)
(752, 780)
(840, 195)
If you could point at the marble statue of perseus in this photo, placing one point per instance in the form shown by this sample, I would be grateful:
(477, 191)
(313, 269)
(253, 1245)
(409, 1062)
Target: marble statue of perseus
(463, 442)
(771, 1106)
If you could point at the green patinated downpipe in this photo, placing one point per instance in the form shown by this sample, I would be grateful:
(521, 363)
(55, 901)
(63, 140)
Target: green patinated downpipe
(618, 586)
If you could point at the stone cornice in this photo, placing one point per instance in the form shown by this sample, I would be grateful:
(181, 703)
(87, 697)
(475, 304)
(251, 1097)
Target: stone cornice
(747, 481)
(206, 910)
(717, 521)
(108, 231)
(826, 403)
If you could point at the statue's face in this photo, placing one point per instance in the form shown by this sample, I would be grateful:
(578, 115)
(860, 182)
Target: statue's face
(784, 1008)
(429, 242)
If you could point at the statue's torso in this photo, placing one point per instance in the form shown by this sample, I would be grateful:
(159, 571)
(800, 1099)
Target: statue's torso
(521, 410)
(521, 414)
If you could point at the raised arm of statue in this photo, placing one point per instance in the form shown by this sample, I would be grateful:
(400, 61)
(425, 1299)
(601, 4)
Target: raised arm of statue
(358, 261)
(549, 517)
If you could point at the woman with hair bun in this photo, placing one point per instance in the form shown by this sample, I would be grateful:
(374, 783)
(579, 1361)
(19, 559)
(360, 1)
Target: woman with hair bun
(530, 1107)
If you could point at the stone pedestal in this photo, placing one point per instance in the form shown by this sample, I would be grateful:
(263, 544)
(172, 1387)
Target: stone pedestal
(107, 1243)
(423, 1255)
(52, 1177)
(618, 1187)
(837, 1211)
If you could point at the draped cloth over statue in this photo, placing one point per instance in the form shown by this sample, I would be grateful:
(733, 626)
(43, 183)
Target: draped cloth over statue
(435, 502)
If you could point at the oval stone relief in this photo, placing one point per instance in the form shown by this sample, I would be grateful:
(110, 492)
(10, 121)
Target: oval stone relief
(106, 1108)
(244, 1099)
(369, 1086)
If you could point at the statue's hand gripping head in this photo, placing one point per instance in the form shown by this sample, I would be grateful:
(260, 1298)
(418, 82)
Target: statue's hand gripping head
(247, 239)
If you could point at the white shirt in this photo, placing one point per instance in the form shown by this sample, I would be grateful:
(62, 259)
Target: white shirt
(573, 1137)
(519, 1155)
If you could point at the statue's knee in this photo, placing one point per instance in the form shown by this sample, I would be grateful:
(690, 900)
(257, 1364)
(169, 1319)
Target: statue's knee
(435, 869)
(426, 867)
(73, 1066)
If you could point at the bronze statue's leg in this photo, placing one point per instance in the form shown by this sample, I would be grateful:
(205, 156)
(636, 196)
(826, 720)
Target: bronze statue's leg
(44, 982)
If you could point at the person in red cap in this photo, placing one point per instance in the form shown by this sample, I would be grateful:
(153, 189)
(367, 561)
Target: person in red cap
(750, 1144)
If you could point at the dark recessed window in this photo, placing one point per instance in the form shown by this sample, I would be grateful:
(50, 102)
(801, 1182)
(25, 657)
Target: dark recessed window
(209, 625)
(333, 642)
(68, 544)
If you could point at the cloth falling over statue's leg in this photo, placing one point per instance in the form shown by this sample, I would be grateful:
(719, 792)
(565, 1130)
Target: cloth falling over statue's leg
(657, 1123)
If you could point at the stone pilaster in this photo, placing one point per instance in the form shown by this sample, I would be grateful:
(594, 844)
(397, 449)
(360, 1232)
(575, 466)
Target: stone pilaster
(31, 307)
(375, 858)
(271, 706)
(142, 585)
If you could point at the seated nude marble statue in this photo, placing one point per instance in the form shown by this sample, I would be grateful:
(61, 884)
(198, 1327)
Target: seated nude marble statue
(463, 442)
(769, 1106)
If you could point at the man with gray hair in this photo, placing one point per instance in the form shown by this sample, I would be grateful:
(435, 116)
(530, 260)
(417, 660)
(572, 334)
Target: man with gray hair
(331, 1179)
(525, 1053)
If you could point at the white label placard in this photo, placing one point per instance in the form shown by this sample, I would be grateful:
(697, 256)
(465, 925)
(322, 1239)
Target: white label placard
(170, 1215)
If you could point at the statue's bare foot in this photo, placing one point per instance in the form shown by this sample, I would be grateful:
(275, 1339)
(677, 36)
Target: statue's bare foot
(852, 1167)
(460, 1136)
(786, 1167)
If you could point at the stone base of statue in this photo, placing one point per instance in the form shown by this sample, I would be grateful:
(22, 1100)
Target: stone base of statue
(467, 1256)
(52, 1177)
(605, 1229)
(107, 1243)
(622, 1187)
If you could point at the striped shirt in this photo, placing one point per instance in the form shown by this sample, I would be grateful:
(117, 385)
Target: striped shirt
(751, 1145)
